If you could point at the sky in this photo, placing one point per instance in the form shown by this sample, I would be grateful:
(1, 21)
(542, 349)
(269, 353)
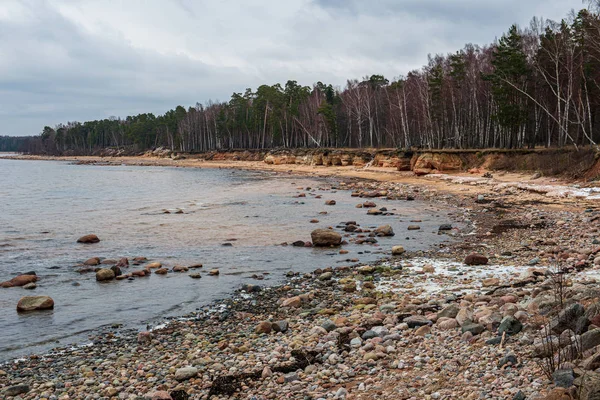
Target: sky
(79, 60)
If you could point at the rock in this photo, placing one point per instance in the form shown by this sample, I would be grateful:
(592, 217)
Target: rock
(214, 272)
(266, 373)
(590, 339)
(298, 243)
(374, 211)
(384, 230)
(445, 227)
(145, 337)
(20, 280)
(509, 359)
(423, 330)
(474, 328)
(154, 265)
(447, 324)
(397, 250)
(330, 203)
(250, 288)
(30, 286)
(325, 238)
(510, 325)
(195, 275)
(294, 302)
(263, 327)
(368, 204)
(414, 227)
(519, 396)
(563, 378)
(162, 271)
(105, 274)
(326, 276)
(280, 326)
(450, 311)
(415, 321)
(464, 316)
(328, 325)
(180, 268)
(35, 303)
(491, 282)
(475, 259)
(567, 318)
(183, 374)
(92, 261)
(123, 263)
(428, 269)
(16, 390)
(159, 395)
(88, 239)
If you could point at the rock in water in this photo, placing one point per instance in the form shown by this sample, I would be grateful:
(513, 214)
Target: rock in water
(35, 303)
(475, 259)
(20, 280)
(325, 238)
(385, 230)
(88, 239)
(105, 274)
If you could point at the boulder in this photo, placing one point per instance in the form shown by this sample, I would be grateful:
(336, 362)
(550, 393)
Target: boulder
(13, 391)
(92, 261)
(20, 280)
(35, 303)
(88, 239)
(264, 327)
(475, 259)
(183, 374)
(105, 274)
(294, 302)
(214, 272)
(161, 271)
(325, 238)
(567, 318)
(384, 230)
(510, 325)
(475, 329)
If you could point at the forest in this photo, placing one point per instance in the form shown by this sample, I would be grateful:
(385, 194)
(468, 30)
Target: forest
(534, 87)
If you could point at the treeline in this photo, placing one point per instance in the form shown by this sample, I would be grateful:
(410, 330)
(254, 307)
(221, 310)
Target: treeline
(538, 86)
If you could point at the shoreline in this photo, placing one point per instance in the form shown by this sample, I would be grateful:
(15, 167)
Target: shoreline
(352, 311)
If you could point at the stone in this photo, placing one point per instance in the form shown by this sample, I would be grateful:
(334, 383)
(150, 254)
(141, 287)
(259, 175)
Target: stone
(590, 339)
(423, 330)
(326, 276)
(415, 321)
(294, 302)
(447, 324)
(567, 318)
(214, 272)
(445, 227)
(20, 280)
(13, 391)
(180, 268)
(263, 327)
(105, 274)
(30, 286)
(464, 316)
(328, 325)
(414, 227)
(384, 230)
(145, 337)
(510, 325)
(159, 395)
(475, 259)
(266, 373)
(330, 203)
(450, 311)
(183, 374)
(250, 288)
(397, 250)
(92, 261)
(195, 275)
(154, 265)
(162, 271)
(325, 238)
(474, 328)
(563, 378)
(509, 359)
(88, 239)
(491, 282)
(35, 303)
(280, 326)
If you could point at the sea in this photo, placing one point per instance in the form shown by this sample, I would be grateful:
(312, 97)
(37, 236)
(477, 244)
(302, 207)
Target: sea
(45, 206)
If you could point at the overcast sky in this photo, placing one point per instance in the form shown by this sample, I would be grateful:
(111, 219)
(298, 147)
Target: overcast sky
(76, 60)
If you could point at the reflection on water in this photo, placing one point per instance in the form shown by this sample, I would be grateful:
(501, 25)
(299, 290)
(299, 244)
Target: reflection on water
(45, 206)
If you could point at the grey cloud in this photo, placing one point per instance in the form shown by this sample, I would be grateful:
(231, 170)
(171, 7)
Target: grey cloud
(66, 60)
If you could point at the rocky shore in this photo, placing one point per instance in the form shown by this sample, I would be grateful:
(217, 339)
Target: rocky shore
(482, 317)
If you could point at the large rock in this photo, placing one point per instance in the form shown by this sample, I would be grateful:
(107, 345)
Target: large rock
(13, 391)
(20, 280)
(475, 259)
(510, 325)
(450, 311)
(384, 230)
(88, 239)
(397, 250)
(105, 274)
(567, 318)
(590, 339)
(35, 303)
(325, 238)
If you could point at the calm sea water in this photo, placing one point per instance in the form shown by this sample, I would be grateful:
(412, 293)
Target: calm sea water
(45, 206)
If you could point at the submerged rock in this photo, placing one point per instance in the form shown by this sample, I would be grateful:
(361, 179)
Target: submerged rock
(88, 239)
(325, 238)
(35, 303)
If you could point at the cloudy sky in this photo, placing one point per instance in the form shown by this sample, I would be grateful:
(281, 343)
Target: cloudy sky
(76, 60)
